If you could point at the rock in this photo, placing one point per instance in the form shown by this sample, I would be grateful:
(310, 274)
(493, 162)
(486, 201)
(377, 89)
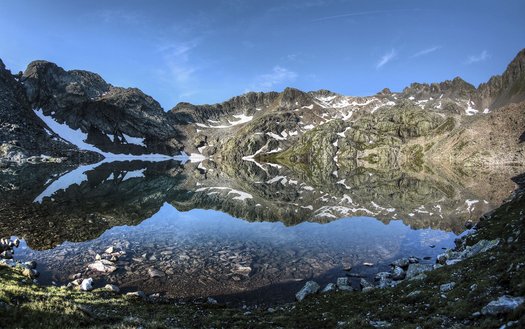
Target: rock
(342, 281)
(398, 273)
(87, 284)
(242, 270)
(367, 289)
(502, 305)
(380, 324)
(413, 260)
(137, 294)
(102, 266)
(98, 257)
(212, 301)
(110, 250)
(447, 287)
(329, 287)
(442, 258)
(310, 288)
(154, 273)
(415, 269)
(16, 242)
(368, 264)
(30, 273)
(382, 275)
(414, 294)
(6, 255)
(30, 265)
(418, 277)
(112, 288)
(364, 283)
(402, 262)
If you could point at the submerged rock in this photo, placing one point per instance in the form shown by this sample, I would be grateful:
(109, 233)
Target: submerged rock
(103, 266)
(310, 288)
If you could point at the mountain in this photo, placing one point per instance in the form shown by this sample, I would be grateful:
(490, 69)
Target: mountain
(113, 119)
(324, 133)
(23, 136)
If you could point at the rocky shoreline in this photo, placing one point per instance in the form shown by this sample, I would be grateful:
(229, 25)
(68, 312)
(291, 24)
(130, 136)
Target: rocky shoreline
(478, 253)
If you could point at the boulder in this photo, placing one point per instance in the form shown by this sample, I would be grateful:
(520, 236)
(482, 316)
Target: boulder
(502, 305)
(310, 288)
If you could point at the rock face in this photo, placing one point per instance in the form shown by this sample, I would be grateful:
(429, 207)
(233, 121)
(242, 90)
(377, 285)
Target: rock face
(22, 134)
(117, 120)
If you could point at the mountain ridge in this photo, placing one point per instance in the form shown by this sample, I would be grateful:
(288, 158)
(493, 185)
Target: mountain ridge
(127, 121)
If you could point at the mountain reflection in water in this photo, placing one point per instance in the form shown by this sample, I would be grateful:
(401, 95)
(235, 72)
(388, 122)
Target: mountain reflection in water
(152, 214)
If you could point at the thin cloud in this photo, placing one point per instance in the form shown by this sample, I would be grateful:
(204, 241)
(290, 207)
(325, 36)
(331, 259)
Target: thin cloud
(478, 58)
(386, 58)
(362, 13)
(278, 76)
(426, 51)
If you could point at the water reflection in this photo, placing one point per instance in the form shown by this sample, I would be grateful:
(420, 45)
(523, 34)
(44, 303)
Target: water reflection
(208, 253)
(175, 226)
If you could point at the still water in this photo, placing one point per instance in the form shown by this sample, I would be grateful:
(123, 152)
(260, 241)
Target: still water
(192, 230)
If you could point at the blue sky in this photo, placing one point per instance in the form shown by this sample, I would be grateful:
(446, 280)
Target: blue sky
(208, 51)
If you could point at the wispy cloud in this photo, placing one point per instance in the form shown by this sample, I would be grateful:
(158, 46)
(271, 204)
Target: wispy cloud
(386, 58)
(278, 76)
(478, 58)
(426, 51)
(361, 13)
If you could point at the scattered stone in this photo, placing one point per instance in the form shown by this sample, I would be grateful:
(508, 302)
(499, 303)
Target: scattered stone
(112, 288)
(310, 288)
(398, 273)
(447, 287)
(212, 301)
(413, 260)
(368, 264)
(329, 287)
(30, 273)
(87, 284)
(502, 305)
(103, 266)
(382, 275)
(414, 294)
(380, 324)
(365, 284)
(367, 289)
(415, 269)
(419, 277)
(402, 262)
(30, 265)
(154, 273)
(110, 250)
(242, 270)
(137, 294)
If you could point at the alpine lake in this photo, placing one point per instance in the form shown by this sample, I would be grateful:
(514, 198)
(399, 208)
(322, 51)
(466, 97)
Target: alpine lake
(246, 234)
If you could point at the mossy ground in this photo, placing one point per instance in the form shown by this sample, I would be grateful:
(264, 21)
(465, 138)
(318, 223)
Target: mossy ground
(479, 280)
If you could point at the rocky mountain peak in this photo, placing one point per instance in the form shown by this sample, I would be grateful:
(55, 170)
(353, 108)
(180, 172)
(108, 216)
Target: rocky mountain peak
(507, 88)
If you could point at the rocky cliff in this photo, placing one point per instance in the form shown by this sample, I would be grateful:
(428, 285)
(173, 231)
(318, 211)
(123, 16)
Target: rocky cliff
(23, 136)
(116, 120)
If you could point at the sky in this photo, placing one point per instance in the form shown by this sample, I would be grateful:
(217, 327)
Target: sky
(209, 51)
